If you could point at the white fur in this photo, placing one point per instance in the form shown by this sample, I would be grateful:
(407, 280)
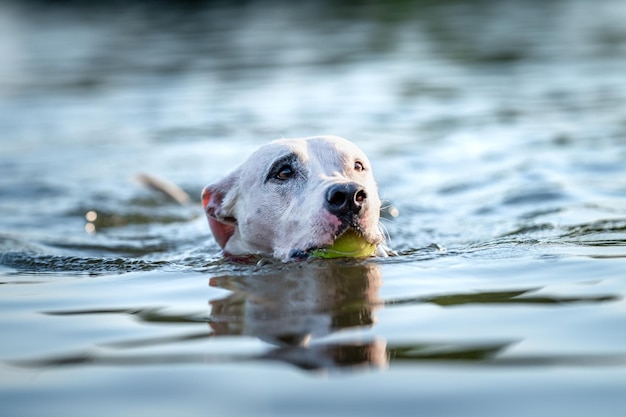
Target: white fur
(273, 217)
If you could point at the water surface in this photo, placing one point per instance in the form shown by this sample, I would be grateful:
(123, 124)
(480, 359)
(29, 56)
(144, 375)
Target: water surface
(497, 129)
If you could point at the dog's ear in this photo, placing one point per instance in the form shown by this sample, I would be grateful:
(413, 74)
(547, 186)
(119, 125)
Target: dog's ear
(218, 201)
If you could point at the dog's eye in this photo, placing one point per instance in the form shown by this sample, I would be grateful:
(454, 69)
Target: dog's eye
(358, 166)
(285, 172)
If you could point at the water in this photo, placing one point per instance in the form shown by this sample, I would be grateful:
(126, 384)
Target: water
(497, 129)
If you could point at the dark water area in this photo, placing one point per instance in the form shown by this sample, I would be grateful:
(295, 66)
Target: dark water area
(497, 129)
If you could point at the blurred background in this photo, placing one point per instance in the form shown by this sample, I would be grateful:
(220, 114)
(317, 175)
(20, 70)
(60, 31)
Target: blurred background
(465, 107)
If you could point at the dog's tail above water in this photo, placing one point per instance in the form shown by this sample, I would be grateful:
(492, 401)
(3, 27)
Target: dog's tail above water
(165, 187)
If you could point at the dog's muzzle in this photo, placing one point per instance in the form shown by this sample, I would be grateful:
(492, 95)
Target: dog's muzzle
(345, 200)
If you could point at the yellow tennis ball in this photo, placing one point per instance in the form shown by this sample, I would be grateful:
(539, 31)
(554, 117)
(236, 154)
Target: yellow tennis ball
(349, 245)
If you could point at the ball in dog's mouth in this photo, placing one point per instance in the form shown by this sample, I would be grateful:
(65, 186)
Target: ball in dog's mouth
(349, 244)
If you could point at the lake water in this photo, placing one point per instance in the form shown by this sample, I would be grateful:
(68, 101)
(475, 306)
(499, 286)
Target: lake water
(496, 128)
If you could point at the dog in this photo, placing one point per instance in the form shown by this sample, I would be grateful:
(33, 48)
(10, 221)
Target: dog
(293, 196)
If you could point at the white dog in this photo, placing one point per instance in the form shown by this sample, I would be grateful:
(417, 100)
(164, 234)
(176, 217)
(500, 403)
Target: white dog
(293, 196)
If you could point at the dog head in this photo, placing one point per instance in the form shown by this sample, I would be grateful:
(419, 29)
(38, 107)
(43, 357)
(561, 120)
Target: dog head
(293, 196)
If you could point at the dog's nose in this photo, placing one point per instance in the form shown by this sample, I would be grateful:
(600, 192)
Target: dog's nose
(342, 199)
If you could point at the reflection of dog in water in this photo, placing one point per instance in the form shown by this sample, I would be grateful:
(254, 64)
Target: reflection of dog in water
(298, 304)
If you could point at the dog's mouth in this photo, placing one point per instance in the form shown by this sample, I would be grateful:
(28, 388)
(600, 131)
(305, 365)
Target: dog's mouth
(348, 242)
